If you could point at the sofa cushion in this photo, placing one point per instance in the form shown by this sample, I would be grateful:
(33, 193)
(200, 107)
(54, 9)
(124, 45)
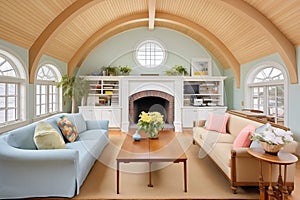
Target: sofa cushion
(202, 135)
(22, 137)
(78, 120)
(243, 138)
(46, 137)
(217, 122)
(235, 124)
(53, 122)
(92, 134)
(68, 129)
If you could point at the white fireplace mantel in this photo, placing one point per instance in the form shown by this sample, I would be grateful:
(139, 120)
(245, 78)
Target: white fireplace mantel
(134, 84)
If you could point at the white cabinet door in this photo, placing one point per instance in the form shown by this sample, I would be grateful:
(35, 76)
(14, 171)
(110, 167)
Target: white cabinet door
(113, 116)
(188, 116)
(88, 114)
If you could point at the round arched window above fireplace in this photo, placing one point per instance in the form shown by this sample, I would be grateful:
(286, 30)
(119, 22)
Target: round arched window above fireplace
(150, 53)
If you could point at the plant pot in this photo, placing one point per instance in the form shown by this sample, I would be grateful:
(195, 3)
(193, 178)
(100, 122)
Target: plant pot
(270, 148)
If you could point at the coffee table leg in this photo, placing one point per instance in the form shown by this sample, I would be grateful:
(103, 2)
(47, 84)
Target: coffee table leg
(185, 176)
(150, 181)
(118, 176)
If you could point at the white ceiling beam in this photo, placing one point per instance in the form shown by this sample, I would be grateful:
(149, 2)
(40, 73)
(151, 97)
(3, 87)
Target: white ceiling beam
(151, 9)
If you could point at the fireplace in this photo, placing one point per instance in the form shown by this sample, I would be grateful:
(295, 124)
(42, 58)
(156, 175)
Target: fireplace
(150, 101)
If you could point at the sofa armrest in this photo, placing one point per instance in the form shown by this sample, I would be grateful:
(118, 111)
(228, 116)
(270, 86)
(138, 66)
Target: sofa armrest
(29, 173)
(240, 152)
(97, 124)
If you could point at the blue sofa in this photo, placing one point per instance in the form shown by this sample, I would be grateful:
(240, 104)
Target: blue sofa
(28, 172)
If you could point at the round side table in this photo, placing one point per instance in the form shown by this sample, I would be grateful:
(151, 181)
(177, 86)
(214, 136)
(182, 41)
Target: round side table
(281, 159)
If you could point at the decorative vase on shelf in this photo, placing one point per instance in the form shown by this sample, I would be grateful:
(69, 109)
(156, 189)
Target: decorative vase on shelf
(136, 136)
(271, 148)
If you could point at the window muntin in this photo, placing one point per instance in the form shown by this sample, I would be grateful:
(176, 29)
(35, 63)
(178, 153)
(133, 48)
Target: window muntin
(46, 73)
(268, 74)
(267, 93)
(46, 93)
(150, 54)
(6, 68)
(9, 91)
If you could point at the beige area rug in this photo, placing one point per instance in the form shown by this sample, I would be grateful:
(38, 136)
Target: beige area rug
(205, 180)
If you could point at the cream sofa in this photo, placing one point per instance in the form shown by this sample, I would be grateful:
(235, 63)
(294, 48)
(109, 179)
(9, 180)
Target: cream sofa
(238, 166)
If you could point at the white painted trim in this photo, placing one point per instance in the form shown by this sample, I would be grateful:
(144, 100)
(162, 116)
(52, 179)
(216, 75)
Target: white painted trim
(159, 43)
(249, 81)
(22, 79)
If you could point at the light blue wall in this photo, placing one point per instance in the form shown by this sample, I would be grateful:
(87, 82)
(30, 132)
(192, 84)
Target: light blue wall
(235, 96)
(294, 102)
(120, 50)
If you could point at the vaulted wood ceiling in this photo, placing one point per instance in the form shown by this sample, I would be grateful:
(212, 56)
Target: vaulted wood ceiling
(233, 31)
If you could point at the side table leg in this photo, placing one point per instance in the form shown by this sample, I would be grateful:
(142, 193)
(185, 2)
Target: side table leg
(270, 188)
(285, 193)
(261, 182)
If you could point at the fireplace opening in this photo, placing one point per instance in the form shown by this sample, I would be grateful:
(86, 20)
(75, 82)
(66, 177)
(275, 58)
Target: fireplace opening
(151, 101)
(151, 104)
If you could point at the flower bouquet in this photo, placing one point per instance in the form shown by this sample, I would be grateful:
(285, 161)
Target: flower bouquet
(272, 139)
(151, 123)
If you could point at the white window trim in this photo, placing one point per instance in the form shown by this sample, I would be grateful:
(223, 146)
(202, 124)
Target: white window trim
(159, 43)
(58, 75)
(22, 79)
(249, 82)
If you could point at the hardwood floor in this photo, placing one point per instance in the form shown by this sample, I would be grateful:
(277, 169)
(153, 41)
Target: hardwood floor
(295, 194)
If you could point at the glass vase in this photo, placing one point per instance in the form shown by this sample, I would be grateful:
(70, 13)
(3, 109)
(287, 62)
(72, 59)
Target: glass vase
(153, 133)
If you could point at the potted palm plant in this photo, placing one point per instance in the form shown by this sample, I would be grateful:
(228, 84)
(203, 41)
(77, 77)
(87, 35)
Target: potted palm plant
(74, 88)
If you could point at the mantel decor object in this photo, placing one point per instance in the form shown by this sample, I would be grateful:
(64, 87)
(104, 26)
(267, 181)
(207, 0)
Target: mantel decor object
(201, 67)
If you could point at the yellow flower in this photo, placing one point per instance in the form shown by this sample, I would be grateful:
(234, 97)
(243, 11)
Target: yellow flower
(145, 117)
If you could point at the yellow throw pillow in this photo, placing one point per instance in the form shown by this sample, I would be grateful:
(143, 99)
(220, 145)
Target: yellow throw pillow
(46, 137)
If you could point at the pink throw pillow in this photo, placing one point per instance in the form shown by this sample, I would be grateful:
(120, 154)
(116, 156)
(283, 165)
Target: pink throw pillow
(217, 122)
(243, 138)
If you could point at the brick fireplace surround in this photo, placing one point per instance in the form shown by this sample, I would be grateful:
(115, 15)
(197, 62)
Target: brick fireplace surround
(152, 93)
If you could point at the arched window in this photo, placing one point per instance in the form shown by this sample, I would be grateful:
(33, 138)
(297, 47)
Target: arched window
(12, 89)
(266, 91)
(47, 95)
(150, 54)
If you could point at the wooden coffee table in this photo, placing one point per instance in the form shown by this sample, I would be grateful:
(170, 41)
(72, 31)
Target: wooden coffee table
(164, 149)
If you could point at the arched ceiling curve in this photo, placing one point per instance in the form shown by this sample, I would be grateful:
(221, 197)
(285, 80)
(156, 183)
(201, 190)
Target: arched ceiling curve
(198, 33)
(239, 29)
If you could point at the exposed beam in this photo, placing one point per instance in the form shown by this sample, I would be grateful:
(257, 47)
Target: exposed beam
(285, 48)
(36, 50)
(151, 11)
(180, 24)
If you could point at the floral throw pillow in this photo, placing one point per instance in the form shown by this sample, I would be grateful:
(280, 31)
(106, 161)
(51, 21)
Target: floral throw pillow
(68, 129)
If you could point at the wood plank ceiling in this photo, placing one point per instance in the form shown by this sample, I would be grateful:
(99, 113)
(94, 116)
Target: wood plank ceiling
(23, 22)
